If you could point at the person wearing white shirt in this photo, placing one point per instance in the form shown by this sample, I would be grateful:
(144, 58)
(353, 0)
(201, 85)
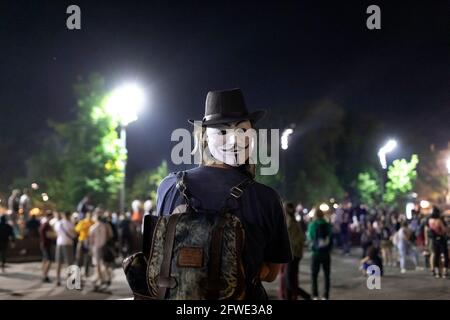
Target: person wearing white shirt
(65, 236)
(99, 234)
(25, 204)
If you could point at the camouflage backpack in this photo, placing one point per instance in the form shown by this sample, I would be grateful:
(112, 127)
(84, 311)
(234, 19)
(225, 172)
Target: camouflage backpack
(196, 254)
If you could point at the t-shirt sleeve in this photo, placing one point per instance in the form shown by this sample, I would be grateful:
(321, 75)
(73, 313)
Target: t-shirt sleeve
(167, 195)
(278, 249)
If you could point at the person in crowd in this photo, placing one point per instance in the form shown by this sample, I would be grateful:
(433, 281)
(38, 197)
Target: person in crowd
(32, 227)
(136, 209)
(47, 239)
(66, 236)
(110, 250)
(115, 233)
(439, 240)
(319, 235)
(13, 210)
(345, 219)
(99, 234)
(224, 164)
(84, 206)
(148, 206)
(372, 258)
(25, 204)
(385, 235)
(82, 250)
(335, 220)
(405, 247)
(7, 239)
(289, 276)
(429, 234)
(368, 238)
(125, 234)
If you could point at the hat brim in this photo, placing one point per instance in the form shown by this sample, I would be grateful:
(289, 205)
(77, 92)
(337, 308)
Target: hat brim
(253, 117)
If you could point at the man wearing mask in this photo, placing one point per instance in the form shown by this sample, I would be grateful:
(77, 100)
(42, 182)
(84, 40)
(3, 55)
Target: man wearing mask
(225, 154)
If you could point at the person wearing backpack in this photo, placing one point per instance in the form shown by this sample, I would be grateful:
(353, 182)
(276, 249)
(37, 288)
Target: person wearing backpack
(319, 235)
(230, 232)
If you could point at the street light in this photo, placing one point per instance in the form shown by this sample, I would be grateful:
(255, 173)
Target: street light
(387, 148)
(123, 105)
(285, 145)
(285, 138)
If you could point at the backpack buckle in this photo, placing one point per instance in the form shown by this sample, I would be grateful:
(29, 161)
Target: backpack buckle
(236, 192)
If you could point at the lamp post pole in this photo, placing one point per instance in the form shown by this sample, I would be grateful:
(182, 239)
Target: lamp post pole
(123, 105)
(388, 147)
(123, 139)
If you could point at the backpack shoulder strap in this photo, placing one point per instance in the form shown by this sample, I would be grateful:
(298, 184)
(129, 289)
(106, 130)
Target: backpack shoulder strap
(235, 193)
(238, 190)
(165, 281)
(182, 188)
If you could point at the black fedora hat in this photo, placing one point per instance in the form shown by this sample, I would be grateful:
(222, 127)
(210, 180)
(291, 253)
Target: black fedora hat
(224, 106)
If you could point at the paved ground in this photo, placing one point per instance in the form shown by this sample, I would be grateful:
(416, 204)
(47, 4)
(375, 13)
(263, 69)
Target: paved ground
(22, 281)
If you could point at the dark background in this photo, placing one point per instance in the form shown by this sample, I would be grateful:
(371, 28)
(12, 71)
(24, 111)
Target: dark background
(283, 56)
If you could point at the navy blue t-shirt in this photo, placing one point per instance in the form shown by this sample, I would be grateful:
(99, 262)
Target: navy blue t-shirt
(261, 211)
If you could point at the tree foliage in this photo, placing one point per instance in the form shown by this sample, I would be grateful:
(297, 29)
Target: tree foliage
(82, 156)
(317, 181)
(368, 187)
(146, 183)
(401, 177)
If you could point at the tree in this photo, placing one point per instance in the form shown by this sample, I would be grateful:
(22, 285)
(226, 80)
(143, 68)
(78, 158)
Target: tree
(368, 187)
(432, 175)
(274, 181)
(82, 156)
(317, 182)
(401, 177)
(146, 183)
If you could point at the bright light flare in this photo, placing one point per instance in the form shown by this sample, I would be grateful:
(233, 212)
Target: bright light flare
(388, 147)
(424, 204)
(324, 207)
(409, 209)
(448, 165)
(125, 102)
(285, 138)
(45, 197)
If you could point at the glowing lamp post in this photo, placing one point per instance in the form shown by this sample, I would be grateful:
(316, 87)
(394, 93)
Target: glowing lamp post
(285, 138)
(123, 105)
(387, 148)
(285, 145)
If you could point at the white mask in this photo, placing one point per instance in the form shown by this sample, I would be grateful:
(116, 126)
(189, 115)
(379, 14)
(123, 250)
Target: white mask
(229, 148)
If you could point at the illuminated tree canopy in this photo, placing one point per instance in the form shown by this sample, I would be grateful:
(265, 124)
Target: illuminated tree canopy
(401, 177)
(82, 156)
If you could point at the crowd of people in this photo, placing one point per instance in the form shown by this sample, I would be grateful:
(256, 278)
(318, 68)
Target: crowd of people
(385, 239)
(94, 239)
(97, 240)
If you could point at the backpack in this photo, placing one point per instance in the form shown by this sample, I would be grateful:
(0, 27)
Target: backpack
(196, 255)
(322, 241)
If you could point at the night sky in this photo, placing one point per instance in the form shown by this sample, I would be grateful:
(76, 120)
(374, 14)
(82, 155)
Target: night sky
(281, 55)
